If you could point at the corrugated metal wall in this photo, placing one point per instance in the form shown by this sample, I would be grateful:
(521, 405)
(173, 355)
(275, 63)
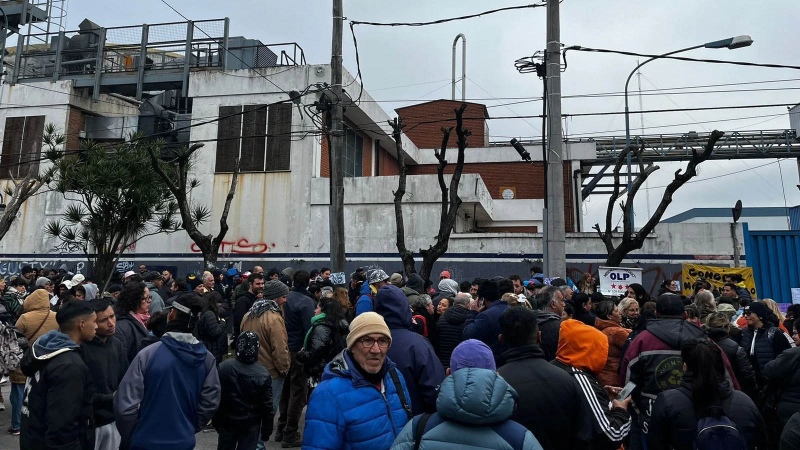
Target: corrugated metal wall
(794, 218)
(775, 259)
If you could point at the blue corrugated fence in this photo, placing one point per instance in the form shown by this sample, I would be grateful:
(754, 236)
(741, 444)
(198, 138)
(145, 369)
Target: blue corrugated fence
(774, 257)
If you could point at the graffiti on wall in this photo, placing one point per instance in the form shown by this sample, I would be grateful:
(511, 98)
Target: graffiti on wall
(241, 247)
(11, 268)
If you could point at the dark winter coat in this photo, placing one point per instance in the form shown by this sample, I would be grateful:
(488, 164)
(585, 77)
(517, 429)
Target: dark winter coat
(246, 397)
(130, 333)
(57, 410)
(485, 327)
(412, 353)
(738, 359)
(790, 438)
(550, 327)
(297, 312)
(243, 304)
(763, 345)
(550, 403)
(450, 330)
(211, 332)
(784, 371)
(674, 423)
(325, 341)
(107, 364)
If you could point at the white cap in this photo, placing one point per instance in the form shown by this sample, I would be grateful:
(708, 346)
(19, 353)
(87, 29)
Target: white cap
(128, 273)
(77, 279)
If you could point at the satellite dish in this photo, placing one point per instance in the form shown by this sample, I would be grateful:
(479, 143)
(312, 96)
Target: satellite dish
(737, 211)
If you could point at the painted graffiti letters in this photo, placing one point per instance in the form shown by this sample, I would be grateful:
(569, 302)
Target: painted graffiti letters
(241, 247)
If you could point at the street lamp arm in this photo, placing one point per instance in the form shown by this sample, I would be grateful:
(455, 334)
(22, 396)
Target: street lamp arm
(627, 82)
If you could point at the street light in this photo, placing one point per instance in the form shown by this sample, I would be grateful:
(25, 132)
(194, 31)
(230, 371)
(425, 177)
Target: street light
(729, 43)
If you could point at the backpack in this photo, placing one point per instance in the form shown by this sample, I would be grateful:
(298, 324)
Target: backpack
(717, 431)
(12, 345)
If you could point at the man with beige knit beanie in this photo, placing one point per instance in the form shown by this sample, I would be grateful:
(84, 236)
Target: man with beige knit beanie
(362, 401)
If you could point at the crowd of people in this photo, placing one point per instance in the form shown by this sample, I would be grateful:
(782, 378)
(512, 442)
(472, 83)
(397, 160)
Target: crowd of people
(395, 361)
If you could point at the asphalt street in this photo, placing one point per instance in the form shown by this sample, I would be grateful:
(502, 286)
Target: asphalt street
(205, 441)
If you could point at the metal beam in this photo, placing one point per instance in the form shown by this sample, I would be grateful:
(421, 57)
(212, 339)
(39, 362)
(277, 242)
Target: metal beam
(98, 68)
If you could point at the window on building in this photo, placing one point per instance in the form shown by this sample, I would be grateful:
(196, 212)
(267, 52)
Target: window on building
(353, 153)
(257, 134)
(22, 146)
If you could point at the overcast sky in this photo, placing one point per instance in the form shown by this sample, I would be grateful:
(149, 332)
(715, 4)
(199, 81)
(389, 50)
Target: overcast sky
(403, 65)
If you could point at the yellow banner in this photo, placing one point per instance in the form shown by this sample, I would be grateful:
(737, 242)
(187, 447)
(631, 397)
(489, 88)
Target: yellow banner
(713, 274)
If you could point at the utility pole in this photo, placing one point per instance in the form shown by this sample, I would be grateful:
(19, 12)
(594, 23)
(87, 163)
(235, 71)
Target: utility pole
(337, 140)
(555, 247)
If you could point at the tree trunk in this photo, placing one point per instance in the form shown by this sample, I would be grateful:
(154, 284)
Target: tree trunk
(405, 255)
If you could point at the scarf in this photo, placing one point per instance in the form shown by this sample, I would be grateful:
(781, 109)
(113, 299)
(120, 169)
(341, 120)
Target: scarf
(314, 320)
(262, 306)
(142, 318)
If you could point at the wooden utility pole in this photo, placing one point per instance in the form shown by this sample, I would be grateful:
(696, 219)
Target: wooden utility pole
(555, 241)
(337, 148)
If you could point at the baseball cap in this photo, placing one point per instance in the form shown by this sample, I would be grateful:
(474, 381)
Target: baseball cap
(669, 305)
(128, 273)
(153, 276)
(187, 303)
(444, 274)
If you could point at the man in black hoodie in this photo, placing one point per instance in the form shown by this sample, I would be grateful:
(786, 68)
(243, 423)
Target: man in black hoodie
(298, 311)
(105, 357)
(57, 408)
(550, 402)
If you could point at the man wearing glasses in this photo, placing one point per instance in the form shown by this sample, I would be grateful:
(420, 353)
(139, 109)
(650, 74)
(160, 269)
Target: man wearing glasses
(362, 401)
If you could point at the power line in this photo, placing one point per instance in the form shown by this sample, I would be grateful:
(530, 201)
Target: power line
(451, 19)
(738, 172)
(681, 58)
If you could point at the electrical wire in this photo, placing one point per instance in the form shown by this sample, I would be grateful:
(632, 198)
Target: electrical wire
(451, 19)
(738, 172)
(681, 58)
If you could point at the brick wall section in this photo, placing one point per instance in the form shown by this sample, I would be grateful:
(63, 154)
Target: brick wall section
(324, 166)
(429, 135)
(526, 179)
(387, 164)
(76, 123)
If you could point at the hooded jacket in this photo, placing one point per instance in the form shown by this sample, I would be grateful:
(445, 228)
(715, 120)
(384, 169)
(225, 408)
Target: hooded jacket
(485, 327)
(412, 295)
(36, 312)
(156, 302)
(130, 333)
(169, 393)
(57, 410)
(107, 364)
(549, 326)
(411, 352)
(273, 347)
(674, 423)
(653, 361)
(474, 410)
(785, 371)
(616, 340)
(450, 330)
(582, 353)
(348, 412)
(550, 402)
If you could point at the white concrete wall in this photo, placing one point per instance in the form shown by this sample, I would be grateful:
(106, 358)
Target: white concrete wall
(53, 101)
(755, 223)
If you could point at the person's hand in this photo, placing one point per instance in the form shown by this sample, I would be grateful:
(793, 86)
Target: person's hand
(612, 391)
(621, 403)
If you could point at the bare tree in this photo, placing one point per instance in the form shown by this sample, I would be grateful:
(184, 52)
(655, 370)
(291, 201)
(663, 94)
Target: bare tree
(450, 201)
(633, 240)
(175, 174)
(19, 191)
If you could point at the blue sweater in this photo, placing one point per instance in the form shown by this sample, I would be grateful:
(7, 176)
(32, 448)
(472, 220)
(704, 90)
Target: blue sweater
(485, 327)
(348, 412)
(364, 303)
(170, 392)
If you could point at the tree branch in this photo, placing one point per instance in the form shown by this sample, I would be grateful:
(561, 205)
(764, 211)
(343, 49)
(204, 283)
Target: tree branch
(405, 255)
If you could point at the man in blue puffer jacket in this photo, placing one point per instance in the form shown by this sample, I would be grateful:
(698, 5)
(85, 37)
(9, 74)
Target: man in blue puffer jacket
(412, 352)
(362, 401)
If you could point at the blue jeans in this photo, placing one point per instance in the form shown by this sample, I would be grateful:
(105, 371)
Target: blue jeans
(17, 394)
